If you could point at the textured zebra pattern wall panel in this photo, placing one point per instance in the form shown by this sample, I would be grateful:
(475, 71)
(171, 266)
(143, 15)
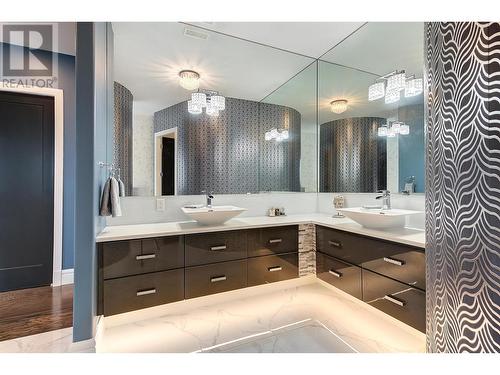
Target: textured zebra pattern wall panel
(463, 187)
(228, 154)
(352, 158)
(122, 152)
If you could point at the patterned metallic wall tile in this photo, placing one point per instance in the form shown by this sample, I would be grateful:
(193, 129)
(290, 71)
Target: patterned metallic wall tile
(229, 159)
(122, 153)
(352, 157)
(463, 186)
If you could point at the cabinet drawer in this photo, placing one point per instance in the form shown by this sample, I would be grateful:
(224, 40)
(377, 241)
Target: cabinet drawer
(403, 302)
(141, 291)
(269, 241)
(125, 258)
(404, 264)
(215, 278)
(271, 268)
(206, 248)
(346, 277)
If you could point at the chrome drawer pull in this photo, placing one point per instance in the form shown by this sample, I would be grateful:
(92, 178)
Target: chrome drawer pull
(145, 292)
(145, 256)
(276, 240)
(218, 278)
(394, 300)
(217, 248)
(274, 269)
(336, 244)
(335, 273)
(397, 262)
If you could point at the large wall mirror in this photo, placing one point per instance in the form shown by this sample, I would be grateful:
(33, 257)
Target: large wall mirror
(248, 128)
(250, 118)
(371, 111)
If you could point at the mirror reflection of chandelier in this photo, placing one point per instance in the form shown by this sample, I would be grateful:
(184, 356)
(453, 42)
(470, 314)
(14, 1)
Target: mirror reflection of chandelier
(394, 128)
(391, 85)
(211, 100)
(276, 134)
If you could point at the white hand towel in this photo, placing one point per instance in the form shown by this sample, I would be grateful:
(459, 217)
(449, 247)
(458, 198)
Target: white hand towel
(114, 198)
(122, 187)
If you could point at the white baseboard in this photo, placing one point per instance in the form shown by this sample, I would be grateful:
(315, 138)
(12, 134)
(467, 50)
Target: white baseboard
(63, 277)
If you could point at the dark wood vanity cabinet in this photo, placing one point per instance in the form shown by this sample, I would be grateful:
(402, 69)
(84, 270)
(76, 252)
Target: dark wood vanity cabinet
(345, 276)
(273, 240)
(141, 273)
(206, 248)
(389, 276)
(399, 300)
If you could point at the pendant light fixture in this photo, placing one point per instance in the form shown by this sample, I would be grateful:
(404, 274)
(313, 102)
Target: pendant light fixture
(391, 85)
(392, 129)
(189, 79)
(338, 106)
(212, 101)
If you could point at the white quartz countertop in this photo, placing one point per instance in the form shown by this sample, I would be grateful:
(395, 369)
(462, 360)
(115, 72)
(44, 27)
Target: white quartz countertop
(408, 236)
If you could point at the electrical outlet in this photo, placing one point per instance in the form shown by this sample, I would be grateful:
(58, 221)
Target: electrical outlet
(160, 204)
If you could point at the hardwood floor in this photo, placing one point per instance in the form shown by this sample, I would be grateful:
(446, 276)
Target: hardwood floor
(36, 310)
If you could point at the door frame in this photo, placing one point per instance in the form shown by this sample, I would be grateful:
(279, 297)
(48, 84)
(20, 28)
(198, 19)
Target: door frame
(57, 94)
(157, 158)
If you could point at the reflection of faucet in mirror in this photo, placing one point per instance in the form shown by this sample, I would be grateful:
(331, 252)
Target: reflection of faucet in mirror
(386, 199)
(209, 197)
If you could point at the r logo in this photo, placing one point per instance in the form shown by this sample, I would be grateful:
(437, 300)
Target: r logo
(33, 60)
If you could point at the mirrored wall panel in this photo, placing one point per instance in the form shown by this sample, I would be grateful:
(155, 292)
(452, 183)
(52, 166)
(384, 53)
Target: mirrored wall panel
(371, 111)
(198, 110)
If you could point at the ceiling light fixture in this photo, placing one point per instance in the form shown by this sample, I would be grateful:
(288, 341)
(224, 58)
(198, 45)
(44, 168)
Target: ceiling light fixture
(338, 106)
(189, 79)
(212, 101)
(391, 85)
(393, 129)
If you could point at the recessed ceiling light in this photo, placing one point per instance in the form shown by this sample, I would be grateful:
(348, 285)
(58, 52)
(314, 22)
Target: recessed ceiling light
(189, 79)
(338, 106)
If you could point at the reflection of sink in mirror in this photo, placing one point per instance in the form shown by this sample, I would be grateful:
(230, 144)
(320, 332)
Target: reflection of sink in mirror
(378, 219)
(214, 215)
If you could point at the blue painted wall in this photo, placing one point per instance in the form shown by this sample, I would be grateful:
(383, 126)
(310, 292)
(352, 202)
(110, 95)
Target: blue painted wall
(91, 145)
(412, 147)
(66, 82)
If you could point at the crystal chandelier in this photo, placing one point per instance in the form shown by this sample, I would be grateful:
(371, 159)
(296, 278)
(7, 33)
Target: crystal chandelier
(393, 129)
(338, 106)
(212, 101)
(189, 79)
(390, 86)
(278, 135)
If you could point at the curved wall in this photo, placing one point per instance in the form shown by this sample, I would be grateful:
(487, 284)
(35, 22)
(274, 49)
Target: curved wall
(122, 152)
(352, 157)
(228, 154)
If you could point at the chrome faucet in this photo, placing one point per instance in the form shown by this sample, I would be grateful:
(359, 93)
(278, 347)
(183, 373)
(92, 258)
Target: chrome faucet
(386, 199)
(209, 196)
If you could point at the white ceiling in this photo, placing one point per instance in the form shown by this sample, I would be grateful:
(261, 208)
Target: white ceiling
(148, 57)
(308, 38)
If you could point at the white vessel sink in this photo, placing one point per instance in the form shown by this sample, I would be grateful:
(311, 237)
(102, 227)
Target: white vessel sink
(378, 219)
(214, 215)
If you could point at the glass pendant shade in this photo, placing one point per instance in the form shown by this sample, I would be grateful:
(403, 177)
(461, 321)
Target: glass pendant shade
(338, 106)
(396, 126)
(392, 97)
(376, 91)
(284, 134)
(396, 82)
(199, 98)
(382, 131)
(218, 101)
(268, 136)
(390, 133)
(193, 108)
(414, 87)
(404, 130)
(189, 79)
(211, 110)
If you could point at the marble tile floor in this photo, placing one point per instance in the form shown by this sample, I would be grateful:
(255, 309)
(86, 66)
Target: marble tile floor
(290, 316)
